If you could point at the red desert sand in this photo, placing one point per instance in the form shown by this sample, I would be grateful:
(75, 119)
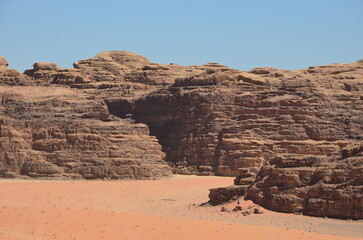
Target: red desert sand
(160, 209)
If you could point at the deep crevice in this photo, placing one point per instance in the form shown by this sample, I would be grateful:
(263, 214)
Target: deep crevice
(176, 133)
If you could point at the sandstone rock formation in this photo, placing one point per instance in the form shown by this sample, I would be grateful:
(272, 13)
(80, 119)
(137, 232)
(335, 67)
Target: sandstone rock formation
(274, 129)
(57, 132)
(310, 168)
(10, 76)
(225, 194)
(110, 69)
(3, 62)
(326, 181)
(293, 139)
(322, 187)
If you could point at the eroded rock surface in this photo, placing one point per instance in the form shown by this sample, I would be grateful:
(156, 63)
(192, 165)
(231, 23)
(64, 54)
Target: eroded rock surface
(315, 167)
(10, 76)
(280, 132)
(293, 139)
(59, 132)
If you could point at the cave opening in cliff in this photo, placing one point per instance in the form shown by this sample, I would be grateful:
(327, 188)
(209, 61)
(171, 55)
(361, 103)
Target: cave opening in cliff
(176, 133)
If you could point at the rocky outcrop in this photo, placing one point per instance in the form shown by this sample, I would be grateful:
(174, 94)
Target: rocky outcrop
(319, 171)
(291, 138)
(225, 194)
(280, 132)
(223, 123)
(45, 74)
(111, 69)
(57, 132)
(3, 62)
(9, 76)
(332, 188)
(122, 66)
(191, 120)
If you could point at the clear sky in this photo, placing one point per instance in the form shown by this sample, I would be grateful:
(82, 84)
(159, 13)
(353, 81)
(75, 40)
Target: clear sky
(289, 34)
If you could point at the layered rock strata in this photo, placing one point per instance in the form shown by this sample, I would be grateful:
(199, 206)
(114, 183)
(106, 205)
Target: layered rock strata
(56, 132)
(291, 138)
(284, 134)
(320, 183)
(10, 76)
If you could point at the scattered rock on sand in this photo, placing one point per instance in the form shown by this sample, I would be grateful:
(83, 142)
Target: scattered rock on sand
(225, 209)
(257, 210)
(237, 208)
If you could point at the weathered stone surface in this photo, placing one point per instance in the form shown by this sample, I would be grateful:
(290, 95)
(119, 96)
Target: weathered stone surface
(292, 138)
(231, 126)
(320, 172)
(123, 66)
(111, 68)
(10, 76)
(297, 123)
(57, 132)
(45, 66)
(327, 187)
(3, 62)
(49, 73)
(224, 194)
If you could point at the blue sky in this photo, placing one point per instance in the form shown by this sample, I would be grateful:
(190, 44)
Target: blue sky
(287, 34)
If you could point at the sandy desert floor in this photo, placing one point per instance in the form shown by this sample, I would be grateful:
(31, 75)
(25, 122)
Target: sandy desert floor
(160, 209)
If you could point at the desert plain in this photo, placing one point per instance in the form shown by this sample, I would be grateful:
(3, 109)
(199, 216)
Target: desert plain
(171, 208)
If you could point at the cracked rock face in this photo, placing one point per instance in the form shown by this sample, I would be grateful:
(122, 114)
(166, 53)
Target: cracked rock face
(287, 136)
(56, 132)
(293, 139)
(330, 188)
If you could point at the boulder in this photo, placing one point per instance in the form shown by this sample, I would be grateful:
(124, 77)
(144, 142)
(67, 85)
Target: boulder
(45, 66)
(221, 195)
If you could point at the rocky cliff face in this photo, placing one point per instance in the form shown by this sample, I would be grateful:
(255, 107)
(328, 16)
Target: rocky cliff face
(328, 180)
(293, 139)
(48, 130)
(287, 135)
(55, 132)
